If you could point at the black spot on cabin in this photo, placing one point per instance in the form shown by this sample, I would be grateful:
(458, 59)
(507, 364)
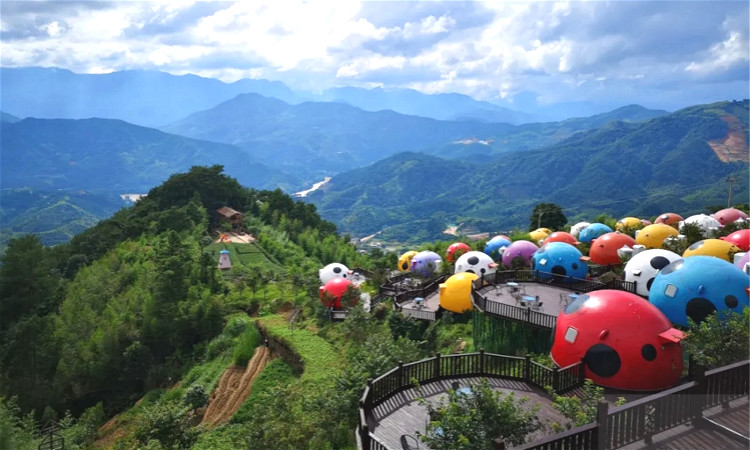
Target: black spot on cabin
(648, 352)
(699, 308)
(659, 262)
(603, 360)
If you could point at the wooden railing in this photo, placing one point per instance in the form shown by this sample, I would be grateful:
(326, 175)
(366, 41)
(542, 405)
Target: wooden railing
(401, 295)
(580, 438)
(421, 314)
(575, 284)
(643, 418)
(479, 364)
(727, 383)
(516, 313)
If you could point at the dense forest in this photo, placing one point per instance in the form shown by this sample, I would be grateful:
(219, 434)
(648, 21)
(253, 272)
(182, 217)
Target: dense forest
(135, 303)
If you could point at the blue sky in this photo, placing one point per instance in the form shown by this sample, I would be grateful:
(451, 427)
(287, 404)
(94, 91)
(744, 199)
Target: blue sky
(661, 54)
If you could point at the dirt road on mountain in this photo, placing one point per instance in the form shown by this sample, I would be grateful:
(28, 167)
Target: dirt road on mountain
(234, 387)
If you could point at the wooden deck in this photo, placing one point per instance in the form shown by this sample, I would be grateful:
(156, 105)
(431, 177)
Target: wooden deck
(552, 298)
(699, 436)
(402, 414)
(426, 310)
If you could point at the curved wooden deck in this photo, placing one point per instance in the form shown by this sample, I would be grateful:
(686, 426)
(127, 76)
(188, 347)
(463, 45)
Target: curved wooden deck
(390, 417)
(401, 416)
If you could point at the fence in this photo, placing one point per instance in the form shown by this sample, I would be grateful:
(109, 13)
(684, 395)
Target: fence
(643, 418)
(479, 364)
(575, 284)
(515, 313)
(401, 295)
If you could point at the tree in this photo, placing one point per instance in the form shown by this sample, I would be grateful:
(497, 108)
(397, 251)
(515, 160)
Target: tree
(26, 284)
(549, 215)
(580, 409)
(168, 423)
(720, 339)
(473, 420)
(196, 397)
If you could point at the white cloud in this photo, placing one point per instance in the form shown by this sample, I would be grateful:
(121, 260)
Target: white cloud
(493, 49)
(723, 56)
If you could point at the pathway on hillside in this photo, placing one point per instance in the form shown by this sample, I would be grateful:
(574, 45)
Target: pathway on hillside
(234, 387)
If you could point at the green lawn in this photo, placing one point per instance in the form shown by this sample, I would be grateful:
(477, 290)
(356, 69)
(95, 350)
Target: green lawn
(249, 255)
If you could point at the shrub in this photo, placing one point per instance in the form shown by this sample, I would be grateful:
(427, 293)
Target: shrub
(245, 346)
(196, 397)
(169, 424)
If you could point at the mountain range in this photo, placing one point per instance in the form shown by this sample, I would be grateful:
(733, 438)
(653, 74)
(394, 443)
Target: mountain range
(316, 139)
(148, 98)
(407, 174)
(669, 163)
(154, 99)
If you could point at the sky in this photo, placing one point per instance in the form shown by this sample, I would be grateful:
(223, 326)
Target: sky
(660, 54)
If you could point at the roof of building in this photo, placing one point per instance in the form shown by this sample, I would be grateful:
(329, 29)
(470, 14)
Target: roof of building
(227, 211)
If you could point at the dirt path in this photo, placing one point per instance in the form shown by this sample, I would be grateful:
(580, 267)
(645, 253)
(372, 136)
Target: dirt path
(238, 238)
(234, 387)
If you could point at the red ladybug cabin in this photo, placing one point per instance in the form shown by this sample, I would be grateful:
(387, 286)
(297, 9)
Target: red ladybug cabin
(625, 342)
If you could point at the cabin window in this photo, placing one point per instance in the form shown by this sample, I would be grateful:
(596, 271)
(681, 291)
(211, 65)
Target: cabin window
(670, 291)
(571, 334)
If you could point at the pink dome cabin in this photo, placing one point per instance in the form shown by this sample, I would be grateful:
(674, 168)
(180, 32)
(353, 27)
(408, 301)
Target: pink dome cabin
(729, 215)
(333, 291)
(625, 342)
(604, 248)
(521, 251)
(455, 250)
(671, 219)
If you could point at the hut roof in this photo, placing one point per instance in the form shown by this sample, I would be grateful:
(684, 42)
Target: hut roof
(227, 211)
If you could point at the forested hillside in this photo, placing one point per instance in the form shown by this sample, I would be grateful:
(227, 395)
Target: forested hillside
(641, 169)
(113, 156)
(131, 304)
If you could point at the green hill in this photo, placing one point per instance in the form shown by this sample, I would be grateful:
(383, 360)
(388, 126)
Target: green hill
(113, 156)
(622, 168)
(55, 217)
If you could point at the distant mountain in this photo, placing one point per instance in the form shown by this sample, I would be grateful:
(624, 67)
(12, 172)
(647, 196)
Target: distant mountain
(10, 118)
(317, 139)
(113, 156)
(54, 216)
(454, 107)
(532, 136)
(148, 98)
(678, 162)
